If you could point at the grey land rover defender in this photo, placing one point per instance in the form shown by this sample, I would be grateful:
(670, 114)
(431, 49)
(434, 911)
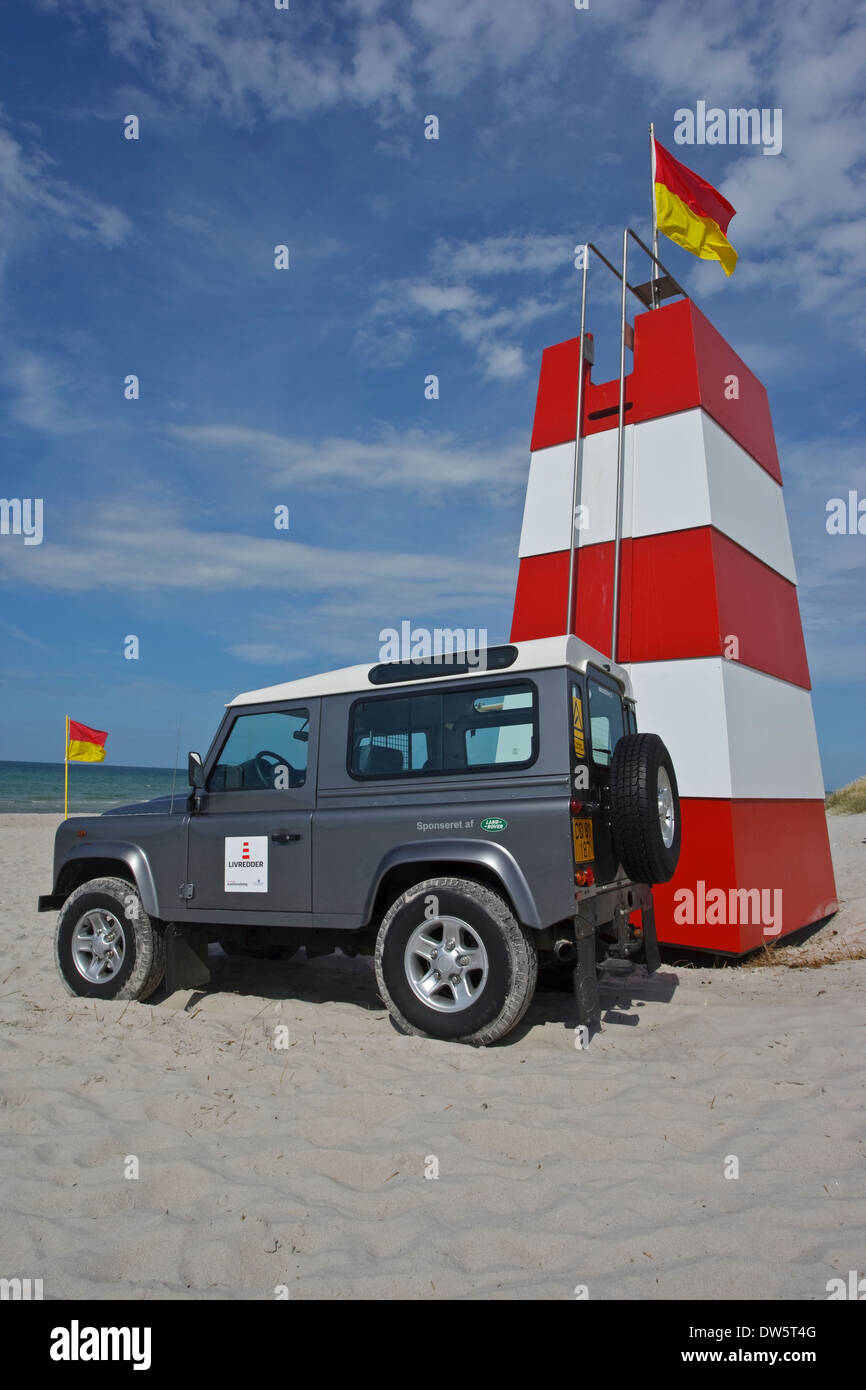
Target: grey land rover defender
(459, 819)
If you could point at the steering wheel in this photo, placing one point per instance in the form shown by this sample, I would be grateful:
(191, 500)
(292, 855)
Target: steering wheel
(265, 771)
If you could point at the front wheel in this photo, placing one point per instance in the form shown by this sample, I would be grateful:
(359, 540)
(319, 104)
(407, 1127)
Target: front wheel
(105, 945)
(452, 962)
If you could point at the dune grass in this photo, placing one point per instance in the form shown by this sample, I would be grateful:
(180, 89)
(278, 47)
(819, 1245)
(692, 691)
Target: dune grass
(777, 953)
(847, 801)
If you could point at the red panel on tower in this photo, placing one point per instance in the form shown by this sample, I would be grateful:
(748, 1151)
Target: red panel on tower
(746, 846)
(759, 607)
(680, 362)
(539, 604)
(729, 594)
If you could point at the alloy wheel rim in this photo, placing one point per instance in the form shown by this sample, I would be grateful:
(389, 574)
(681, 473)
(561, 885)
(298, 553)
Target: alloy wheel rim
(98, 946)
(667, 816)
(446, 964)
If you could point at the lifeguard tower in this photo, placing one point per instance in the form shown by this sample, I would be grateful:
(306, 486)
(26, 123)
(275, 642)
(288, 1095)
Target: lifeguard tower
(654, 528)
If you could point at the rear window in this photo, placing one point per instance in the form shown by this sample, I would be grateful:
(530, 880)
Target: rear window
(605, 721)
(463, 730)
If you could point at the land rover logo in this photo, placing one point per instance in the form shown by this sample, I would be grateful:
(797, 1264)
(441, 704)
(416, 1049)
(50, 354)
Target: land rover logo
(493, 823)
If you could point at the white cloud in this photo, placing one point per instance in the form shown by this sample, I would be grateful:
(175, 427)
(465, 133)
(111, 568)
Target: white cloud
(800, 214)
(45, 393)
(414, 461)
(435, 299)
(517, 252)
(504, 363)
(251, 62)
(135, 545)
(462, 37)
(476, 318)
(31, 194)
(696, 51)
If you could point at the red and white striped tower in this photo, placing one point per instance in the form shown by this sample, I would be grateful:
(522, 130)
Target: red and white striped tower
(709, 624)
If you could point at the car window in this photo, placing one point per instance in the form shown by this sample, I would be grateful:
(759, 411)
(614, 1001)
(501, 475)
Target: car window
(264, 752)
(452, 731)
(491, 732)
(605, 721)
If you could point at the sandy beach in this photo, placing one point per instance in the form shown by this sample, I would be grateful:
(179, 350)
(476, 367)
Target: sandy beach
(304, 1166)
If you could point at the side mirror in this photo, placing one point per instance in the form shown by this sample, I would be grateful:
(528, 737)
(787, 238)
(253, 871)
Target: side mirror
(195, 771)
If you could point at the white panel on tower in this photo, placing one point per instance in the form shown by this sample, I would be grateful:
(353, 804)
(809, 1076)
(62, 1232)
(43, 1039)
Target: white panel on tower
(689, 472)
(745, 502)
(598, 486)
(549, 493)
(771, 731)
(731, 731)
(684, 703)
(548, 501)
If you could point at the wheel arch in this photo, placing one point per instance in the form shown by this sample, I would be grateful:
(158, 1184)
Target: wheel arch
(108, 859)
(490, 864)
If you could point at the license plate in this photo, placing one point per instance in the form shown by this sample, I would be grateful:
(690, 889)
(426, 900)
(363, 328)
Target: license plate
(583, 846)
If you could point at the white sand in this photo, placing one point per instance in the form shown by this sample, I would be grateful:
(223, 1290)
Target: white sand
(305, 1167)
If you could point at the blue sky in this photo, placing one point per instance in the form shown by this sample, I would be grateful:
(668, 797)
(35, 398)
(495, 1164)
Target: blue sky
(408, 257)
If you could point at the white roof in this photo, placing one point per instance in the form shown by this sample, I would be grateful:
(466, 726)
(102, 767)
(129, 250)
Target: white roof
(531, 656)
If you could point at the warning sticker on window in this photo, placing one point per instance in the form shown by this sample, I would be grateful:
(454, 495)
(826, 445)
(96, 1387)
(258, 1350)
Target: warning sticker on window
(577, 725)
(246, 864)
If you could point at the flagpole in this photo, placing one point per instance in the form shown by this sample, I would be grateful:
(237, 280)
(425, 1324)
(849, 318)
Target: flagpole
(66, 772)
(652, 135)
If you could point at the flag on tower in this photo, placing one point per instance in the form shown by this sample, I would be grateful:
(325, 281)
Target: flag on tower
(690, 211)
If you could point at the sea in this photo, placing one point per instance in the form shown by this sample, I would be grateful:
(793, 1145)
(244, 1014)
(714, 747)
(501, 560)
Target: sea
(93, 787)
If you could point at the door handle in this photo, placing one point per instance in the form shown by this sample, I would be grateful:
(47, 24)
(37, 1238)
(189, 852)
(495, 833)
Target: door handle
(284, 837)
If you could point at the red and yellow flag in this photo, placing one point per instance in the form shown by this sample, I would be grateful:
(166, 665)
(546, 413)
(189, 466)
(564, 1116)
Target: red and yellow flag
(84, 745)
(691, 212)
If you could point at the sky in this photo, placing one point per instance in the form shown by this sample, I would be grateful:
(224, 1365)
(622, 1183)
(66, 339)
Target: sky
(305, 388)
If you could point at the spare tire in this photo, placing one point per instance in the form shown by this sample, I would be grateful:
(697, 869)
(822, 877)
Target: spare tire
(644, 808)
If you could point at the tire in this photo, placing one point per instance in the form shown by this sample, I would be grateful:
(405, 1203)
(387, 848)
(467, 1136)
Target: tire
(644, 808)
(492, 995)
(105, 945)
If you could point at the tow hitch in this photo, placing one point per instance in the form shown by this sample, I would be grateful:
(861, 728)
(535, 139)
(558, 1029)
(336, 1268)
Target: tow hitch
(623, 955)
(628, 951)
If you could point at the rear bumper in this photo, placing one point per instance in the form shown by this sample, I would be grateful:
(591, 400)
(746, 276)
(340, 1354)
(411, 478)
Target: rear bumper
(598, 908)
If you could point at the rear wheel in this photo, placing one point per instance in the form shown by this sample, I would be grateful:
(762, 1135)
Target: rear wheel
(452, 962)
(644, 808)
(105, 945)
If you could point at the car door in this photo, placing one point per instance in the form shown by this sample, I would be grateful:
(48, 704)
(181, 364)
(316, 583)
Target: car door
(249, 856)
(606, 725)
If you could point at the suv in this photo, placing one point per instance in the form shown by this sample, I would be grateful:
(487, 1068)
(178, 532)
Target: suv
(458, 819)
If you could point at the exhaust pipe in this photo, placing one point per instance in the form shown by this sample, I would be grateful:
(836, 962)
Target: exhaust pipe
(564, 949)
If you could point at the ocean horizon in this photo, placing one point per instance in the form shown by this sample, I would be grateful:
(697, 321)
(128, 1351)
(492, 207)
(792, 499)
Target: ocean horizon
(93, 787)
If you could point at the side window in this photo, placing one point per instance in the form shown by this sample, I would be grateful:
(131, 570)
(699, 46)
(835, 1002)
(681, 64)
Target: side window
(453, 731)
(390, 737)
(606, 721)
(263, 752)
(489, 728)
